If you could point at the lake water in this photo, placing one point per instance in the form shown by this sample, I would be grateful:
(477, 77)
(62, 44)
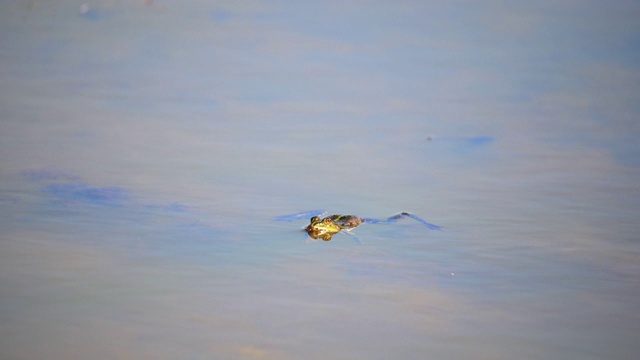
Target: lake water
(147, 147)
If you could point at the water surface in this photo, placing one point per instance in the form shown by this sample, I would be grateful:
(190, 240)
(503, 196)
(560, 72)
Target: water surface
(148, 148)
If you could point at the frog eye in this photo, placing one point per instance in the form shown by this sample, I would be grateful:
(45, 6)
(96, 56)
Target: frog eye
(327, 221)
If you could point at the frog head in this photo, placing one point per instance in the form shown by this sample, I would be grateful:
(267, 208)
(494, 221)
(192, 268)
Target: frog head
(322, 228)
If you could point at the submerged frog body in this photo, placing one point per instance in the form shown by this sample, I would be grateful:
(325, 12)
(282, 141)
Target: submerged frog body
(325, 228)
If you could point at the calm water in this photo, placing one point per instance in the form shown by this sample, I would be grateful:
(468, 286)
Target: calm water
(146, 148)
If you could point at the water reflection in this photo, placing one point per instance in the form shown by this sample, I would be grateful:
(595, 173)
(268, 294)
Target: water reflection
(166, 136)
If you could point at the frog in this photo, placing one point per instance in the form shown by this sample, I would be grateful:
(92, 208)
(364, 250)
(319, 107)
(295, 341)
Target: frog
(325, 228)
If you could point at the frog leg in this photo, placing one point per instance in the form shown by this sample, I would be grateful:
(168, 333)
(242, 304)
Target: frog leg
(395, 218)
(301, 215)
(354, 236)
(418, 219)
